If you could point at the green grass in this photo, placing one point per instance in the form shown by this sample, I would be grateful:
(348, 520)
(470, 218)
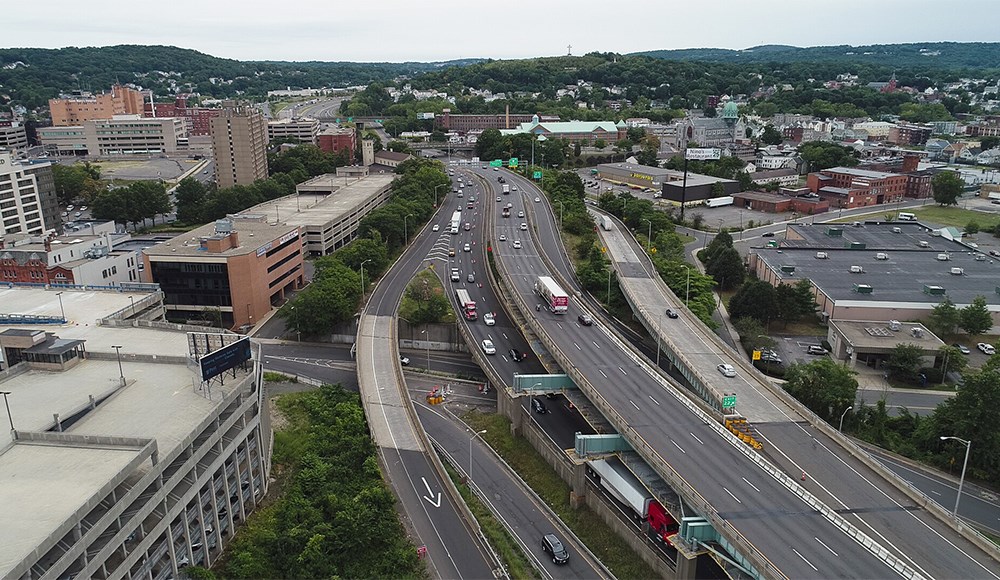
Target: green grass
(956, 216)
(506, 547)
(592, 531)
(270, 377)
(408, 306)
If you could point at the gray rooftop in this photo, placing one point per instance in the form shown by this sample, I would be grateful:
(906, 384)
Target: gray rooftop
(874, 236)
(344, 194)
(254, 230)
(877, 336)
(863, 173)
(636, 168)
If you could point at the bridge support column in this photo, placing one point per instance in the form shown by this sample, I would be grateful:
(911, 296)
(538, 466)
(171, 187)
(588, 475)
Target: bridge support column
(687, 565)
(578, 496)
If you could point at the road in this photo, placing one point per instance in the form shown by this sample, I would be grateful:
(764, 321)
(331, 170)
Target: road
(721, 472)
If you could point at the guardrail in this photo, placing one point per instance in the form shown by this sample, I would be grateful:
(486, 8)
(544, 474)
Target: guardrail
(759, 561)
(966, 531)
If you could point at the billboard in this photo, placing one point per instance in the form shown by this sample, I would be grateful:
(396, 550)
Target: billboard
(217, 362)
(425, 116)
(702, 154)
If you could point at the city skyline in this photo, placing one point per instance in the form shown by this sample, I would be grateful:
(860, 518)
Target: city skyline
(397, 31)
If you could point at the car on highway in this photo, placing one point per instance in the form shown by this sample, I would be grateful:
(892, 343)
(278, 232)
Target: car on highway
(727, 370)
(503, 237)
(520, 214)
(436, 228)
(513, 188)
(451, 252)
(516, 355)
(488, 347)
(585, 320)
(986, 348)
(671, 313)
(538, 406)
(471, 278)
(538, 200)
(467, 248)
(499, 198)
(454, 275)
(815, 349)
(962, 348)
(467, 226)
(767, 235)
(555, 549)
(524, 227)
(489, 319)
(517, 244)
(405, 361)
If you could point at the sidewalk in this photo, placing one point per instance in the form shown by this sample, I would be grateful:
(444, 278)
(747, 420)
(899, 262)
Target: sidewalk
(872, 380)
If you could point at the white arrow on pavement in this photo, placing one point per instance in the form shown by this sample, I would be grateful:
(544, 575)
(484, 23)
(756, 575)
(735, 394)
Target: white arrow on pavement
(430, 493)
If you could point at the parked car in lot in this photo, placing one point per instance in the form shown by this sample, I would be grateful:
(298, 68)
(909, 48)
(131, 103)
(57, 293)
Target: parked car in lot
(962, 348)
(488, 346)
(815, 349)
(555, 549)
(585, 320)
(727, 370)
(671, 313)
(405, 361)
(986, 348)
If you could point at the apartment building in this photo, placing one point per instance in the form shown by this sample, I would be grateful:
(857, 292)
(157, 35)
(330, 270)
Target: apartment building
(20, 200)
(465, 123)
(13, 137)
(78, 107)
(239, 145)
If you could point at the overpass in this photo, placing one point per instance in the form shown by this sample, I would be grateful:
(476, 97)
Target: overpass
(777, 526)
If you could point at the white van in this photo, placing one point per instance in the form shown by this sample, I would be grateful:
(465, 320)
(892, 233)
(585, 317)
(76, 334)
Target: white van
(907, 217)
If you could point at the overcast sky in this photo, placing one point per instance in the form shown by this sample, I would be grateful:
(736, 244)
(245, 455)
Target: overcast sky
(431, 30)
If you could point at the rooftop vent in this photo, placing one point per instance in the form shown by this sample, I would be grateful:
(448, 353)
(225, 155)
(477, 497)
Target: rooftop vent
(897, 230)
(957, 271)
(933, 290)
(917, 332)
(788, 269)
(835, 232)
(822, 255)
(924, 244)
(894, 325)
(857, 246)
(863, 289)
(881, 256)
(857, 270)
(224, 226)
(943, 257)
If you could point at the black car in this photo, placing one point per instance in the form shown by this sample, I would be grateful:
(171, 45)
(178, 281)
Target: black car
(585, 320)
(767, 235)
(538, 406)
(671, 313)
(516, 355)
(554, 548)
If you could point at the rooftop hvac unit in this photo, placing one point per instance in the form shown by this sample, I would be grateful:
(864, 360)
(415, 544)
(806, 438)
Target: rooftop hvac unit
(924, 244)
(822, 255)
(835, 232)
(863, 289)
(933, 290)
(772, 244)
(223, 226)
(857, 270)
(881, 256)
(917, 332)
(897, 230)
(788, 269)
(943, 257)
(894, 325)
(957, 272)
(856, 246)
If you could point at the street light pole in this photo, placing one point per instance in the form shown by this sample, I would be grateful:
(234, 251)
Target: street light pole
(405, 237)
(560, 211)
(474, 435)
(428, 345)
(363, 276)
(841, 428)
(130, 298)
(961, 481)
(649, 233)
(62, 311)
(609, 288)
(436, 193)
(687, 293)
(121, 373)
(7, 404)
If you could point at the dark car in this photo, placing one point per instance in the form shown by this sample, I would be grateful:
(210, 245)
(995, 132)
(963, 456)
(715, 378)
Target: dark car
(554, 548)
(671, 313)
(516, 355)
(767, 235)
(538, 406)
(585, 320)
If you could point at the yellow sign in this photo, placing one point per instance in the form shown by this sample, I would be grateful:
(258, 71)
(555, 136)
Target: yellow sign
(642, 176)
(756, 355)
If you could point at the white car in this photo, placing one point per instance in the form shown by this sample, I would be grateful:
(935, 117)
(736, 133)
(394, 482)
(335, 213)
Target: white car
(436, 228)
(520, 214)
(489, 319)
(517, 244)
(467, 248)
(499, 198)
(513, 188)
(727, 370)
(503, 237)
(986, 348)
(524, 227)
(538, 200)
(488, 347)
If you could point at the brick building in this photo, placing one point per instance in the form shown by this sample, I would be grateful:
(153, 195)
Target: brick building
(849, 187)
(465, 123)
(910, 134)
(80, 106)
(197, 119)
(337, 139)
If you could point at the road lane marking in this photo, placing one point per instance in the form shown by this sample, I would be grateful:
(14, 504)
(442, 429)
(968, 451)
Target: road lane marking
(676, 445)
(731, 494)
(597, 345)
(623, 371)
(750, 484)
(434, 503)
(634, 405)
(825, 546)
(696, 438)
(602, 373)
(577, 347)
(657, 402)
(804, 560)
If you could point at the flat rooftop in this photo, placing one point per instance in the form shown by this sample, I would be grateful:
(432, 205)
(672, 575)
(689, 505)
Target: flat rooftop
(901, 278)
(82, 307)
(255, 231)
(877, 336)
(637, 168)
(344, 194)
(874, 236)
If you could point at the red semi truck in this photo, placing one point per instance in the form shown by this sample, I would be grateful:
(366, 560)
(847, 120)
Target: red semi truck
(466, 304)
(621, 484)
(556, 299)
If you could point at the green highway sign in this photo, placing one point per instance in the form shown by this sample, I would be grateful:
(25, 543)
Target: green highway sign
(729, 401)
(512, 162)
(537, 175)
(496, 163)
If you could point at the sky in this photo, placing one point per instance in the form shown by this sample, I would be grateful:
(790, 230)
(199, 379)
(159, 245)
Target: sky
(436, 30)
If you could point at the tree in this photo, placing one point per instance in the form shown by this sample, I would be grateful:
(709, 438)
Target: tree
(904, 362)
(754, 299)
(968, 415)
(717, 189)
(145, 200)
(952, 359)
(723, 240)
(491, 145)
(947, 186)
(821, 155)
(944, 318)
(600, 143)
(975, 318)
(190, 194)
(824, 386)
(727, 268)
(972, 228)
(752, 334)
(794, 301)
(771, 136)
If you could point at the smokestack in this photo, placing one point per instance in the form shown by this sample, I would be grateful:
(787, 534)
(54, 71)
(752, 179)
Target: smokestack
(506, 117)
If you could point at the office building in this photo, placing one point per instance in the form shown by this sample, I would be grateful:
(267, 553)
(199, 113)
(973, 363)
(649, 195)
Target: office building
(337, 139)
(239, 145)
(13, 137)
(197, 120)
(117, 136)
(237, 269)
(583, 132)
(84, 260)
(45, 181)
(20, 200)
(293, 130)
(78, 107)
(123, 462)
(465, 123)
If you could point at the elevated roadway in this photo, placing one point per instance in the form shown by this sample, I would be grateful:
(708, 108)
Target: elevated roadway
(912, 527)
(763, 514)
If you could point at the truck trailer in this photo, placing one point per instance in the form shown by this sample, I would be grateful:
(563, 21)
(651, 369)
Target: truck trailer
(622, 485)
(456, 221)
(605, 222)
(466, 304)
(556, 299)
(506, 188)
(719, 201)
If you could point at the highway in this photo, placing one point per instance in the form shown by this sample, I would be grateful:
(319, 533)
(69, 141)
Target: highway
(836, 477)
(757, 506)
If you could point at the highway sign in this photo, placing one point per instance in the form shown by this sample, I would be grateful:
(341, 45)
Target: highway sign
(702, 154)
(512, 162)
(756, 355)
(496, 163)
(537, 175)
(728, 401)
